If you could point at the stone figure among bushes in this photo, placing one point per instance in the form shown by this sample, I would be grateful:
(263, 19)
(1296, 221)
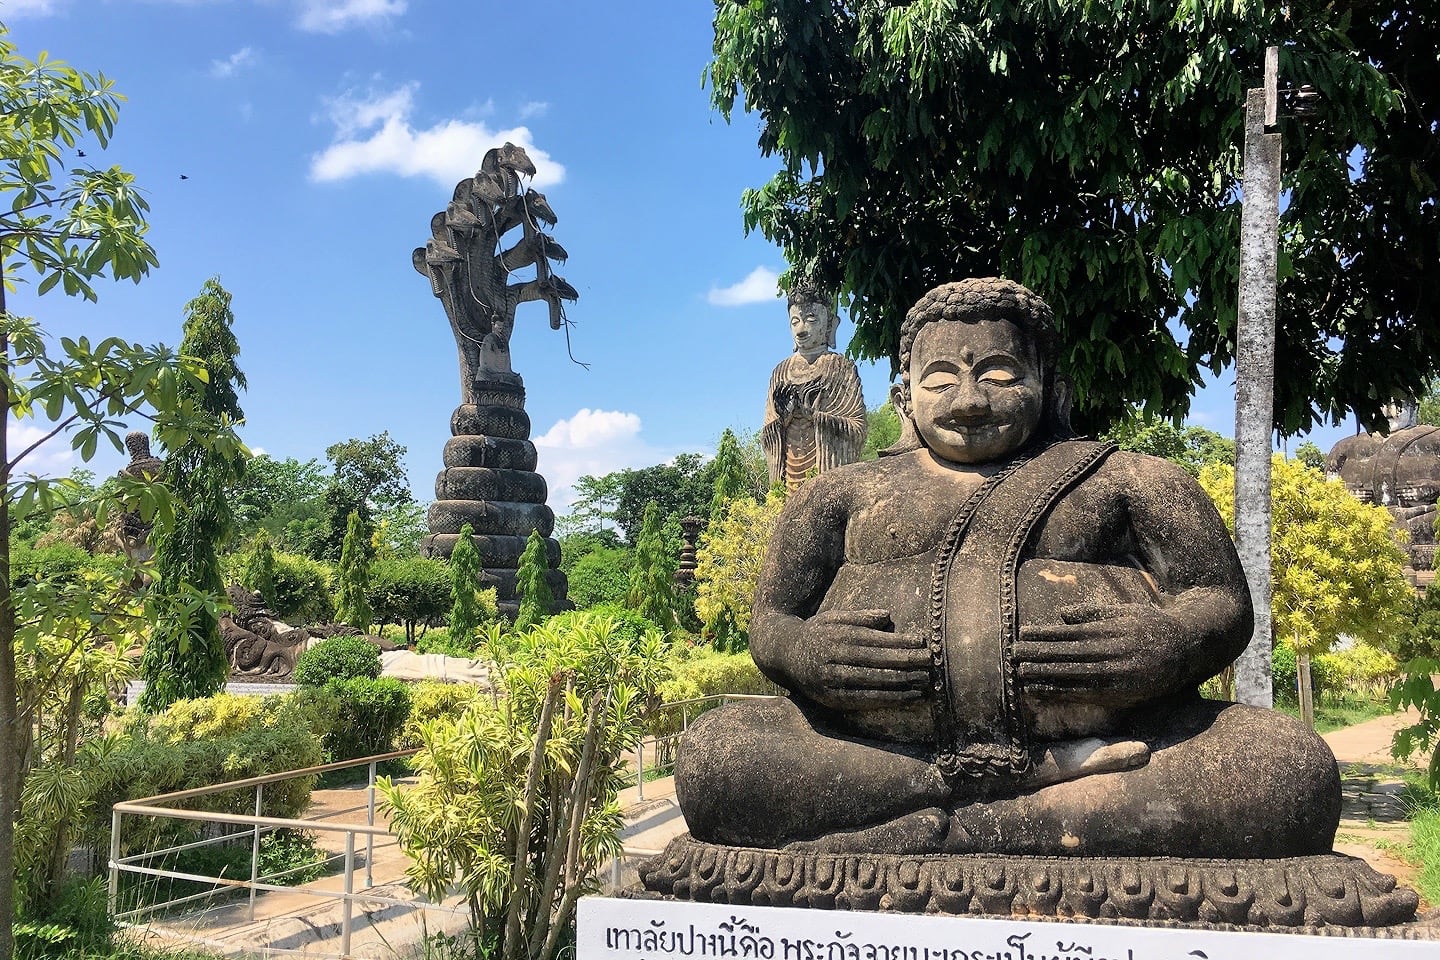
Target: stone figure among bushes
(814, 411)
(993, 640)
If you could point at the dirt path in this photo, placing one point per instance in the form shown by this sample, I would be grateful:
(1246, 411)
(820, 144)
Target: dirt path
(1373, 821)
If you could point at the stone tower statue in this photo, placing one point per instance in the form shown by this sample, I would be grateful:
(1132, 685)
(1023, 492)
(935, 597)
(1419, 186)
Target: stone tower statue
(489, 480)
(1400, 471)
(814, 412)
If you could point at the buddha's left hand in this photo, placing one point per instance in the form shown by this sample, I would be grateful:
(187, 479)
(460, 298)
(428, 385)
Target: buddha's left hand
(1117, 653)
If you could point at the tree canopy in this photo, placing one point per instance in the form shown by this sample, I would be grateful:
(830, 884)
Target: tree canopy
(1092, 152)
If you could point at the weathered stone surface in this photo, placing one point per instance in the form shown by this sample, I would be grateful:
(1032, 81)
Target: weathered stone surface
(993, 640)
(257, 645)
(814, 410)
(491, 452)
(1399, 471)
(489, 479)
(1322, 890)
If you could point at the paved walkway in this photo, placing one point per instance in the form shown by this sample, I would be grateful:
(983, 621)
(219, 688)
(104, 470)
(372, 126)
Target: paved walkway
(1373, 820)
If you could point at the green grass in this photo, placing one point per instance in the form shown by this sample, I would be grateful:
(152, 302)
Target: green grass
(1422, 803)
(1338, 714)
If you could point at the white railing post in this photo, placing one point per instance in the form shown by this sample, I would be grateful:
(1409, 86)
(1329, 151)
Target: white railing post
(640, 769)
(349, 892)
(370, 837)
(255, 849)
(114, 895)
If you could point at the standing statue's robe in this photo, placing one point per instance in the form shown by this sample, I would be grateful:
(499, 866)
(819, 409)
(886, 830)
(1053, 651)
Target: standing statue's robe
(797, 444)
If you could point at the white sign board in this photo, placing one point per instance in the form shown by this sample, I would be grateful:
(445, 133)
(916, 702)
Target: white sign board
(616, 929)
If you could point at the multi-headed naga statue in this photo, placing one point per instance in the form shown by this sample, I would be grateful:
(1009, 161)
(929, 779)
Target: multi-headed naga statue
(489, 479)
(470, 270)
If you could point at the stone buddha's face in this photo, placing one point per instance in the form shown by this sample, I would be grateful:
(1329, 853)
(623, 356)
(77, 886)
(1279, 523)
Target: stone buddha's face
(976, 389)
(810, 325)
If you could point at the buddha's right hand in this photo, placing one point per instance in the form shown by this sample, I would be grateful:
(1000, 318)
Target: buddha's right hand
(855, 660)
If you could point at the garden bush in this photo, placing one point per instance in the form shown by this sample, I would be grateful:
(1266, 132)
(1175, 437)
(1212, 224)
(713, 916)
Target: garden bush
(701, 672)
(369, 714)
(600, 576)
(1358, 670)
(630, 625)
(339, 658)
(302, 590)
(434, 700)
(413, 592)
(197, 743)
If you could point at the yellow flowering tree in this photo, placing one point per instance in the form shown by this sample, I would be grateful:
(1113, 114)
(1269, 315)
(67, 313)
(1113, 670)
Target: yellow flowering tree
(727, 565)
(1336, 563)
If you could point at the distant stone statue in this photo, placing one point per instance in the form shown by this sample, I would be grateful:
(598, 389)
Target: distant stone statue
(1400, 471)
(814, 412)
(993, 640)
(143, 465)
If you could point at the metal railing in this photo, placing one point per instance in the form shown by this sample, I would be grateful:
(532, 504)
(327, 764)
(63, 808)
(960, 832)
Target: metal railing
(253, 826)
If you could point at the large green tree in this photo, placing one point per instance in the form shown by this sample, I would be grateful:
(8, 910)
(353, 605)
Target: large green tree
(1092, 152)
(185, 656)
(66, 224)
(683, 487)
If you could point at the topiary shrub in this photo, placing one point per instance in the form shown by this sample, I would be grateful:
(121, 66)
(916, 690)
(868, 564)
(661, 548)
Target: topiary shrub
(339, 658)
(369, 714)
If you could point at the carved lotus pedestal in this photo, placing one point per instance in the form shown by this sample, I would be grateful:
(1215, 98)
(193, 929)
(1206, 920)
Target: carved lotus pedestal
(1326, 891)
(489, 482)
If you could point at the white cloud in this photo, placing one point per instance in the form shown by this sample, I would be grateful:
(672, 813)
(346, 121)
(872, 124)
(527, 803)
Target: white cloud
(533, 108)
(28, 8)
(760, 285)
(591, 443)
(332, 16)
(228, 67)
(52, 458)
(375, 134)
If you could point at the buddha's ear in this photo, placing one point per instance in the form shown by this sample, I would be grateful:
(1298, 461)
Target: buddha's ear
(908, 440)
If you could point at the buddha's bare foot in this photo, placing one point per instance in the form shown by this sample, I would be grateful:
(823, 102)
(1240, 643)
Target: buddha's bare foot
(925, 831)
(1072, 759)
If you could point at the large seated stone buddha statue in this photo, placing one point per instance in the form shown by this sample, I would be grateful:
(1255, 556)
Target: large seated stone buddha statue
(992, 639)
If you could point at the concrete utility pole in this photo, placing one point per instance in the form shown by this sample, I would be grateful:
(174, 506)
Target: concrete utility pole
(1255, 372)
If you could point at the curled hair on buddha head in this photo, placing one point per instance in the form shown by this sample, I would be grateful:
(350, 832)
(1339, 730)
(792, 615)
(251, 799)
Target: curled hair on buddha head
(807, 290)
(977, 300)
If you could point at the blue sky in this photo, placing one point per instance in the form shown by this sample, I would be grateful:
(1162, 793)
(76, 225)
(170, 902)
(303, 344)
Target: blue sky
(317, 137)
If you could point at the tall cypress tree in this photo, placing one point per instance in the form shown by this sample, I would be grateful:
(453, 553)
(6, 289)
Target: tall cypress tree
(652, 578)
(729, 473)
(466, 566)
(185, 656)
(353, 604)
(536, 600)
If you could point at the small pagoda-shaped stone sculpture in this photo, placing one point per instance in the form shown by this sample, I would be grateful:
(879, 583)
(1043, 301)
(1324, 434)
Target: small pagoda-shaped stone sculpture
(489, 480)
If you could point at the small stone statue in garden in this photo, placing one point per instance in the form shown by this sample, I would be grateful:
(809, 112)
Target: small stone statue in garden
(814, 412)
(993, 640)
(143, 465)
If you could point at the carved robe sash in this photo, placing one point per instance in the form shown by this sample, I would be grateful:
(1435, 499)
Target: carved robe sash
(979, 730)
